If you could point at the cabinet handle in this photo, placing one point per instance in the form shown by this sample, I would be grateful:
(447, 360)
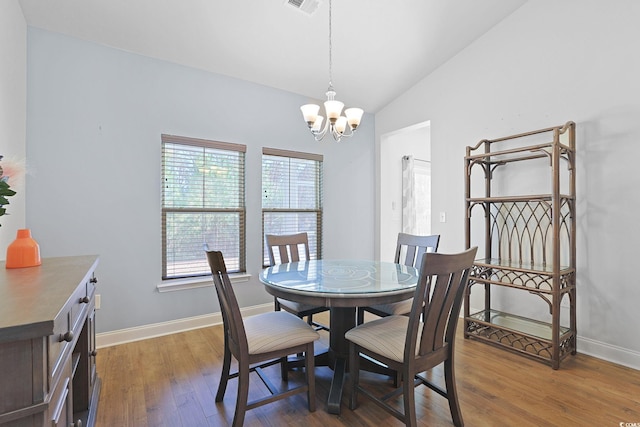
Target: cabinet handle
(93, 280)
(68, 336)
(85, 300)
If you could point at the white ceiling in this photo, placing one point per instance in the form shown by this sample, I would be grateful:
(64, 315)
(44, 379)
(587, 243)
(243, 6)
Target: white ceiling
(380, 48)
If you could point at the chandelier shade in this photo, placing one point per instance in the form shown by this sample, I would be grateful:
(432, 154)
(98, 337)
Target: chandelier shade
(336, 124)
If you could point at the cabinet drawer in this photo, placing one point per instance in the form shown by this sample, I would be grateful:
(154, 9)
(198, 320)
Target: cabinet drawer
(67, 327)
(59, 343)
(79, 307)
(91, 286)
(60, 412)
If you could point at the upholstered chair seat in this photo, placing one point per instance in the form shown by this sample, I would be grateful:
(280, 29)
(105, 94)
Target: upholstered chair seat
(385, 336)
(275, 331)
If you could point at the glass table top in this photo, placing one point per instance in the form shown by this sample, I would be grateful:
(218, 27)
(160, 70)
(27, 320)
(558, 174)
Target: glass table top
(341, 277)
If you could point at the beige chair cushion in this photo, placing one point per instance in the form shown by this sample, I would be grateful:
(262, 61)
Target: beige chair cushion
(298, 307)
(398, 308)
(276, 330)
(385, 336)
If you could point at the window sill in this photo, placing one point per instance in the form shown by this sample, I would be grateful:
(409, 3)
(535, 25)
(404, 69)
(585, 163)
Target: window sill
(197, 282)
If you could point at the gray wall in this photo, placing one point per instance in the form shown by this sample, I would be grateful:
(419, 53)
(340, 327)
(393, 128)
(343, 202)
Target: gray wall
(548, 63)
(13, 114)
(95, 116)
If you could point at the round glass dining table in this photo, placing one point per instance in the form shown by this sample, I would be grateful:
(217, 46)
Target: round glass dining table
(341, 285)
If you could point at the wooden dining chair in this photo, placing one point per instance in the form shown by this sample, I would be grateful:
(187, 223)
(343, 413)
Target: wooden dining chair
(257, 342)
(416, 343)
(409, 251)
(288, 248)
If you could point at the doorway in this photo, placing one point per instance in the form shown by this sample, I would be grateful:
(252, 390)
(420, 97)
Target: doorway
(414, 141)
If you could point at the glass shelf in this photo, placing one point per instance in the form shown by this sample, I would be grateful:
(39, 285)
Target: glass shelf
(521, 324)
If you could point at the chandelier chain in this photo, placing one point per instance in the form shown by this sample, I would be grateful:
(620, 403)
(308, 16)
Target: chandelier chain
(330, 50)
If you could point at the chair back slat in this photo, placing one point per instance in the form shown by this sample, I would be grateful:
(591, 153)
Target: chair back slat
(410, 248)
(440, 290)
(288, 247)
(231, 316)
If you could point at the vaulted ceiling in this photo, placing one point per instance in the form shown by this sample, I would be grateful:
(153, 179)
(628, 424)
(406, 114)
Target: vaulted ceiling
(380, 48)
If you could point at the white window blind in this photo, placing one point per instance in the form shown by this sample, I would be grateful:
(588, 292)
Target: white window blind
(292, 196)
(203, 205)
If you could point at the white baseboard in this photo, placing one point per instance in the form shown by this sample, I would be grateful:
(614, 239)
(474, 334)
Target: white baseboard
(122, 336)
(608, 352)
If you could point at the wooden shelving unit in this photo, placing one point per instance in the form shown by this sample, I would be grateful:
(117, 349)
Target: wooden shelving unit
(528, 239)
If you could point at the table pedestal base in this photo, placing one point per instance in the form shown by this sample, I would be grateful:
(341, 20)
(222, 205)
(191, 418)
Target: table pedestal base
(337, 356)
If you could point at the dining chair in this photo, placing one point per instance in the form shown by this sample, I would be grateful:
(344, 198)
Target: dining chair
(409, 251)
(418, 342)
(288, 248)
(257, 342)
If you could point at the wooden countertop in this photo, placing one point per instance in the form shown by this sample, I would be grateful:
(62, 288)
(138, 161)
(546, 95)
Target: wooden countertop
(32, 297)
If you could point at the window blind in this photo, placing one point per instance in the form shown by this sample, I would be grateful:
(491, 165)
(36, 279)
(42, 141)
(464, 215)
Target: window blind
(292, 197)
(203, 205)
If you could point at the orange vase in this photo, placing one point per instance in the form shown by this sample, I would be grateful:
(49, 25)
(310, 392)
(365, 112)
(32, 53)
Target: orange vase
(24, 251)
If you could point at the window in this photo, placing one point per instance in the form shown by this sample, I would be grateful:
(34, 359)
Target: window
(202, 205)
(292, 197)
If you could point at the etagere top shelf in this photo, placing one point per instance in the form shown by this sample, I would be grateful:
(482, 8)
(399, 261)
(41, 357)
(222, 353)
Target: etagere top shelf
(516, 154)
(526, 152)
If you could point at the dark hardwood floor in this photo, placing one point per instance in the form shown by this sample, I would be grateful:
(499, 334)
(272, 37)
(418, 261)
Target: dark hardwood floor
(171, 381)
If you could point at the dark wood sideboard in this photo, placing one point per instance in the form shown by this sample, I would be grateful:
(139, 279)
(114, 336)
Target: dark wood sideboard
(47, 344)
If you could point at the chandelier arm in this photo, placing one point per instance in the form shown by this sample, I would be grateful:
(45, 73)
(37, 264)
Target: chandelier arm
(337, 136)
(328, 128)
(319, 135)
(347, 134)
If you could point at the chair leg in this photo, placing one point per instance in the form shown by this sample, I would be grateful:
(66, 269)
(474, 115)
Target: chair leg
(309, 358)
(243, 394)
(452, 393)
(310, 323)
(409, 398)
(397, 379)
(224, 375)
(354, 375)
(284, 368)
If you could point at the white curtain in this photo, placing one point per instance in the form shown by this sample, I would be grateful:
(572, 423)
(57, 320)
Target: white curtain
(408, 196)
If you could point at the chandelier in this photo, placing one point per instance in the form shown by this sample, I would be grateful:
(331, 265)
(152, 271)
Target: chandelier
(336, 124)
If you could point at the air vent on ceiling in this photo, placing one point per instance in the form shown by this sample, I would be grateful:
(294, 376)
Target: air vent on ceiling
(307, 6)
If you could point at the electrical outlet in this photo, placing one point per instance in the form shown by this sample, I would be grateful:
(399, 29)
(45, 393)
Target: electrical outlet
(98, 301)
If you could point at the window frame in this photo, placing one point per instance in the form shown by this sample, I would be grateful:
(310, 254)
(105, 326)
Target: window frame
(241, 209)
(318, 210)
